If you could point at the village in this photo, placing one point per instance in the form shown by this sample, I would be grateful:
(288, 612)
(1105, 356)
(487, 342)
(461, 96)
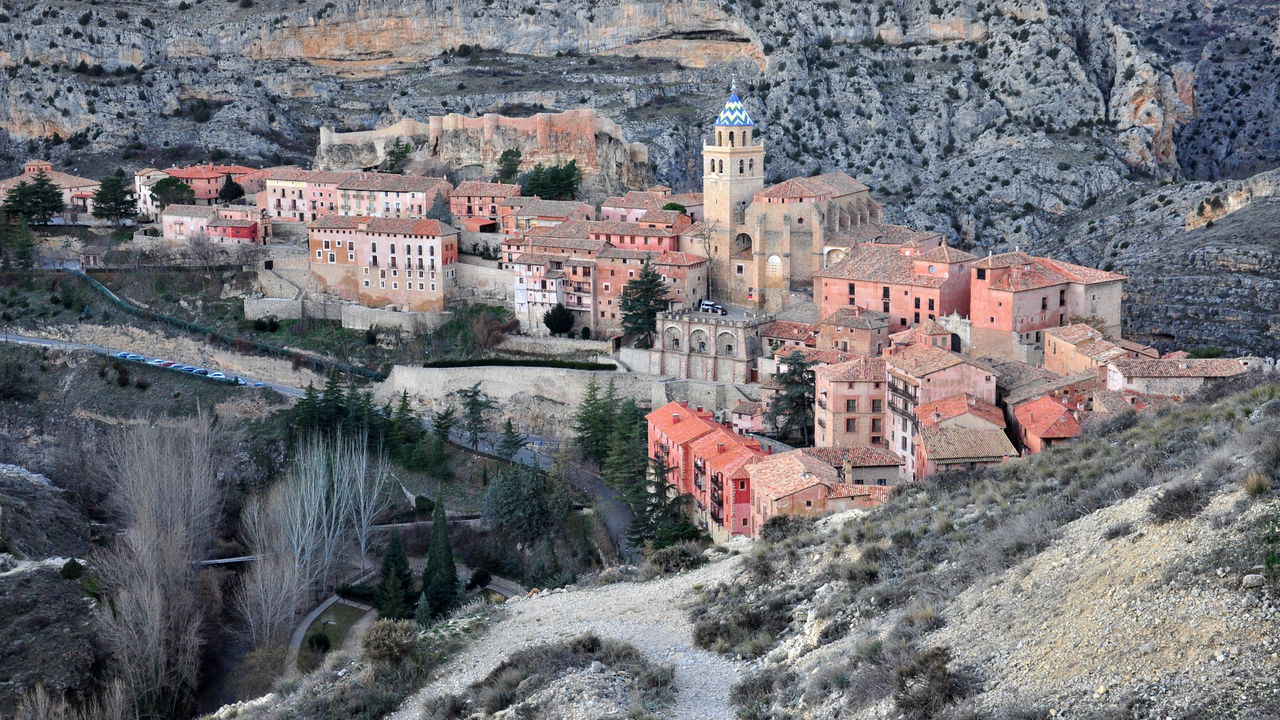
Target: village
(858, 354)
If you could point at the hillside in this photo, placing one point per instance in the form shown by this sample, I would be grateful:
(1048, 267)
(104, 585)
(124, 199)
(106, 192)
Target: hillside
(1125, 576)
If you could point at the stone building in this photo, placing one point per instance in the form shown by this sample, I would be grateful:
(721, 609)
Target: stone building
(765, 243)
(706, 346)
(849, 403)
(77, 192)
(405, 263)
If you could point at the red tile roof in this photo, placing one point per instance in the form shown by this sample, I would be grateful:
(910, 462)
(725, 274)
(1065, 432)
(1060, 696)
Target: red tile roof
(858, 455)
(725, 451)
(475, 188)
(778, 476)
(680, 424)
(1028, 272)
(920, 360)
(940, 411)
(859, 369)
(787, 330)
(823, 357)
(860, 318)
(832, 184)
(945, 254)
(880, 264)
(207, 172)
(1186, 367)
(947, 444)
(883, 234)
(1046, 418)
(392, 226)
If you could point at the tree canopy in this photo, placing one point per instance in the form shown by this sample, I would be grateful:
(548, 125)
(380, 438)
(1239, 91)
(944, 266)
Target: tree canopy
(440, 579)
(593, 421)
(439, 209)
(476, 406)
(644, 296)
(17, 246)
(172, 191)
(36, 202)
(398, 156)
(791, 409)
(559, 320)
(114, 199)
(558, 182)
(675, 206)
(508, 165)
(230, 190)
(510, 443)
(394, 595)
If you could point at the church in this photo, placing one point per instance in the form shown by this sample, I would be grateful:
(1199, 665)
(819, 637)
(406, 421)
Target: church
(766, 243)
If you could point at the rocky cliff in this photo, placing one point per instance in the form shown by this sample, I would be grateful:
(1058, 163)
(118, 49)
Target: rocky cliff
(995, 121)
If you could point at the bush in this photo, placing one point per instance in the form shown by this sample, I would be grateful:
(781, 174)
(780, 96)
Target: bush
(389, 642)
(1118, 530)
(72, 569)
(319, 643)
(677, 558)
(1255, 484)
(480, 579)
(423, 505)
(781, 527)
(1181, 501)
(924, 686)
(361, 593)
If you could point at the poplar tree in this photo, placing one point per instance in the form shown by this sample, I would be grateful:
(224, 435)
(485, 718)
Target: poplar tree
(440, 579)
(394, 593)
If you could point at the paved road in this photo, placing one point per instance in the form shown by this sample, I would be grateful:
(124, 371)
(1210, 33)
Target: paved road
(541, 452)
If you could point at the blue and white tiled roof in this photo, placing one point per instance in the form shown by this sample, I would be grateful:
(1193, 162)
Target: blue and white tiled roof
(734, 113)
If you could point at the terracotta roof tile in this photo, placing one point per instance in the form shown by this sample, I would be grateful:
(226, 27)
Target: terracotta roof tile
(880, 264)
(1047, 418)
(725, 451)
(859, 318)
(858, 455)
(940, 411)
(859, 369)
(778, 476)
(944, 444)
(945, 254)
(475, 188)
(920, 360)
(1187, 367)
(392, 226)
(787, 330)
(680, 424)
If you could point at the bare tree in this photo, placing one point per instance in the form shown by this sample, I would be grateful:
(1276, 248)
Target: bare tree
(38, 704)
(249, 254)
(168, 499)
(369, 490)
(702, 235)
(203, 251)
(272, 591)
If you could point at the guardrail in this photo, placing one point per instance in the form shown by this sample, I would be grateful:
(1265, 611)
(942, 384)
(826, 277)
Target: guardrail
(320, 363)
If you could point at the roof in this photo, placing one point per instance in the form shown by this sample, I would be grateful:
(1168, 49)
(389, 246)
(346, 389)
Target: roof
(778, 476)
(949, 408)
(679, 423)
(734, 113)
(948, 444)
(208, 212)
(821, 356)
(667, 217)
(232, 222)
(749, 407)
(486, 189)
(206, 172)
(1185, 367)
(921, 360)
(833, 184)
(293, 173)
(1047, 418)
(550, 208)
(1029, 272)
(666, 257)
(858, 318)
(416, 227)
(787, 330)
(474, 224)
(880, 264)
(883, 234)
(390, 182)
(931, 327)
(857, 455)
(725, 451)
(945, 254)
(60, 179)
(859, 369)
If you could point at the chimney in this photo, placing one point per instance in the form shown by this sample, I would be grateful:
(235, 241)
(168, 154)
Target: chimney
(848, 470)
(719, 447)
(1182, 365)
(675, 418)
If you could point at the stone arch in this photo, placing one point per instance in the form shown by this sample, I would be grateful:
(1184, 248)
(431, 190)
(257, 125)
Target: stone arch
(833, 256)
(740, 243)
(725, 343)
(773, 268)
(698, 342)
(671, 338)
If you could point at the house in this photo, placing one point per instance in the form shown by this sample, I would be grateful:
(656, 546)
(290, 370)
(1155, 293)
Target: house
(805, 484)
(378, 261)
(873, 465)
(749, 417)
(671, 428)
(1171, 378)
(849, 403)
(473, 199)
(1078, 348)
(946, 448)
(206, 181)
(1044, 422)
(374, 194)
(636, 203)
(721, 493)
(910, 284)
(684, 274)
(854, 330)
(226, 224)
(1015, 297)
(142, 182)
(781, 334)
(77, 192)
(921, 374)
(962, 410)
(185, 222)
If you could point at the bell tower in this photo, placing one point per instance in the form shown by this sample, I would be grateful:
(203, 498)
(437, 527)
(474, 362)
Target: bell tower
(732, 166)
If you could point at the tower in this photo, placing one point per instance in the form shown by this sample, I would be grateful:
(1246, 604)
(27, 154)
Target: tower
(732, 172)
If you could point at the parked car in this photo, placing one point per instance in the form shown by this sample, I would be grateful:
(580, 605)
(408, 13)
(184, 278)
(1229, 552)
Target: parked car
(133, 356)
(122, 355)
(711, 306)
(155, 361)
(167, 363)
(218, 376)
(186, 369)
(259, 384)
(201, 371)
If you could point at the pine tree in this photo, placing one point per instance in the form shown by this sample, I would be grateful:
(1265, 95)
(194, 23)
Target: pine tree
(442, 423)
(660, 518)
(405, 429)
(398, 156)
(591, 423)
(114, 199)
(332, 403)
(172, 191)
(440, 579)
(307, 411)
(476, 407)
(644, 296)
(628, 458)
(394, 594)
(508, 165)
(439, 210)
(559, 320)
(22, 247)
(36, 201)
(791, 408)
(230, 190)
(510, 443)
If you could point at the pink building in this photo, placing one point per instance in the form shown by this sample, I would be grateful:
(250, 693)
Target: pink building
(802, 483)
(911, 285)
(849, 403)
(207, 180)
(780, 335)
(672, 428)
(401, 262)
(294, 195)
(685, 274)
(721, 483)
(479, 199)
(77, 192)
(921, 374)
(632, 206)
(1044, 422)
(854, 330)
(227, 224)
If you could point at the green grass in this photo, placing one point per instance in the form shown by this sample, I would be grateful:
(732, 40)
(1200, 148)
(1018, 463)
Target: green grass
(334, 622)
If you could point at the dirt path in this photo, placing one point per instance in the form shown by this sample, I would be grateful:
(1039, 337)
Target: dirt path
(652, 616)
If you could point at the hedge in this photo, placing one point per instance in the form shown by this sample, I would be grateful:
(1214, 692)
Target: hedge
(513, 362)
(321, 364)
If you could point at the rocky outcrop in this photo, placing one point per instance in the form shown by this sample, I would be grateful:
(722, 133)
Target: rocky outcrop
(470, 147)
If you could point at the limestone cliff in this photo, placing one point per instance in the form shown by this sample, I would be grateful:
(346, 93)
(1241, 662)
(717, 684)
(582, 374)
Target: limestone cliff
(470, 147)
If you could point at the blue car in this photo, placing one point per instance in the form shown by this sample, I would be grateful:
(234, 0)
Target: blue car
(200, 371)
(133, 356)
(122, 355)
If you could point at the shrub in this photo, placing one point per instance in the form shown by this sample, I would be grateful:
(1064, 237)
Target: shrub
(1181, 501)
(423, 505)
(1118, 530)
(1255, 484)
(677, 558)
(72, 569)
(389, 642)
(319, 643)
(361, 593)
(480, 578)
(924, 686)
(781, 527)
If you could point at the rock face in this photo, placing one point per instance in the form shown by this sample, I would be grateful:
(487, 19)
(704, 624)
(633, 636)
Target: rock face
(471, 146)
(994, 121)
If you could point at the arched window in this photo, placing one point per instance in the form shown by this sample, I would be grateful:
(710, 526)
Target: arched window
(740, 167)
(731, 139)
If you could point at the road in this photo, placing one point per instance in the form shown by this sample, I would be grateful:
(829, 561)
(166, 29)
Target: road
(610, 507)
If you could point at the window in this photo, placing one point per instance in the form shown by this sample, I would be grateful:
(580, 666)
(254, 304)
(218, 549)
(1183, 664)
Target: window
(1044, 303)
(877, 405)
(917, 304)
(916, 318)
(1062, 298)
(739, 269)
(931, 269)
(808, 503)
(982, 274)
(931, 307)
(851, 405)
(742, 484)
(851, 425)
(876, 425)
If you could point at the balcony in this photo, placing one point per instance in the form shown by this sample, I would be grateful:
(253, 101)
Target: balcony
(822, 403)
(903, 390)
(717, 500)
(717, 481)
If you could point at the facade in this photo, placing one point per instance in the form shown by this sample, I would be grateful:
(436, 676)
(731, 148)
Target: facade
(1170, 378)
(1015, 297)
(911, 284)
(862, 464)
(921, 374)
(854, 330)
(1079, 348)
(721, 493)
(479, 199)
(142, 182)
(77, 192)
(184, 222)
(781, 334)
(304, 196)
(206, 181)
(227, 224)
(704, 346)
(636, 204)
(400, 262)
(671, 429)
(849, 403)
(1044, 422)
(804, 484)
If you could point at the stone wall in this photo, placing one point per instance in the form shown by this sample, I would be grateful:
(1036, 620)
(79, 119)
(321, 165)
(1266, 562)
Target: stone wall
(351, 316)
(492, 241)
(555, 345)
(482, 281)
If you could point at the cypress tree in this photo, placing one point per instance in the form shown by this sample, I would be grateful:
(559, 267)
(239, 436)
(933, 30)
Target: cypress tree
(442, 423)
(440, 579)
(628, 458)
(394, 594)
(332, 403)
(643, 297)
(230, 190)
(475, 410)
(307, 411)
